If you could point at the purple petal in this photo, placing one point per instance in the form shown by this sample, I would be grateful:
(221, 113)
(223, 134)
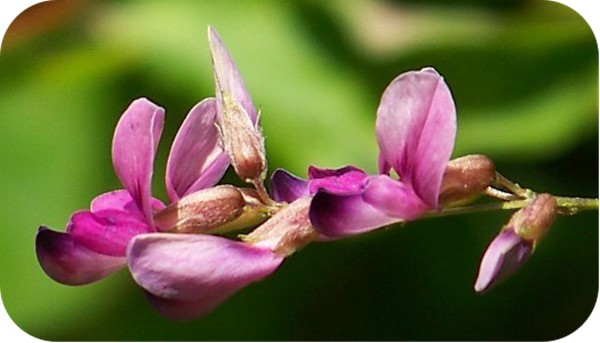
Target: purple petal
(197, 160)
(382, 202)
(107, 231)
(227, 76)
(416, 127)
(345, 215)
(201, 269)
(503, 257)
(287, 187)
(351, 182)
(394, 198)
(319, 173)
(134, 146)
(70, 263)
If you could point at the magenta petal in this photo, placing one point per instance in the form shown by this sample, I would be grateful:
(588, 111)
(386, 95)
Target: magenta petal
(115, 200)
(503, 257)
(319, 173)
(345, 215)
(121, 200)
(227, 76)
(416, 128)
(196, 160)
(394, 198)
(351, 182)
(134, 146)
(197, 268)
(106, 232)
(70, 263)
(383, 165)
(286, 187)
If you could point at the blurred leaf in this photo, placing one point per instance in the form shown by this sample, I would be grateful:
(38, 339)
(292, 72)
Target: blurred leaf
(546, 125)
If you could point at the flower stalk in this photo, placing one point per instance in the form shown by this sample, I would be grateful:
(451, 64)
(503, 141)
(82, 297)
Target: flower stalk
(565, 206)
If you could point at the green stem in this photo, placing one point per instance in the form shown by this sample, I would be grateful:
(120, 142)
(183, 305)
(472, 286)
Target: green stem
(566, 205)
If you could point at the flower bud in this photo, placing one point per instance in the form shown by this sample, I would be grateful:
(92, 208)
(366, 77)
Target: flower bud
(465, 178)
(534, 220)
(243, 142)
(516, 242)
(287, 231)
(202, 211)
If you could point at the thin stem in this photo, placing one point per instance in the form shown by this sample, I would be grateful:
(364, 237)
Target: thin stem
(498, 194)
(497, 206)
(263, 194)
(511, 186)
(566, 205)
(576, 205)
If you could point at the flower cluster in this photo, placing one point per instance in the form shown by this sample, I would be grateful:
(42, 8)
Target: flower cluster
(176, 252)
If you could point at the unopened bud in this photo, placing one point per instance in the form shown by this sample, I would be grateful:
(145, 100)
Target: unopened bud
(516, 242)
(287, 231)
(465, 178)
(202, 211)
(243, 141)
(534, 220)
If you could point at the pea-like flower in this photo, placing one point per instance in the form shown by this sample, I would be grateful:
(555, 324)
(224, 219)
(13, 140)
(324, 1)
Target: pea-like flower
(187, 275)
(95, 242)
(416, 127)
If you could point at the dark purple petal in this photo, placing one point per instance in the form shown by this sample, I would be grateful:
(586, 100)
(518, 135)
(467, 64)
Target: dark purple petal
(393, 198)
(345, 215)
(383, 201)
(70, 263)
(106, 232)
(227, 76)
(319, 173)
(201, 269)
(416, 127)
(502, 258)
(134, 146)
(286, 187)
(351, 182)
(196, 160)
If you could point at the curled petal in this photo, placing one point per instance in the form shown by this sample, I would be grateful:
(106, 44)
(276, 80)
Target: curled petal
(287, 187)
(383, 201)
(121, 200)
(503, 257)
(394, 198)
(319, 173)
(196, 160)
(106, 232)
(227, 76)
(351, 182)
(134, 146)
(416, 128)
(70, 263)
(337, 216)
(201, 269)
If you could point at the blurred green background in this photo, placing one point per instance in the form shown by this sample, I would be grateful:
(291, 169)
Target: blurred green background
(524, 75)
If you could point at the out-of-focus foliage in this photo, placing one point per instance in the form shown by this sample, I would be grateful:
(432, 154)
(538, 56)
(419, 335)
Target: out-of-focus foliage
(524, 77)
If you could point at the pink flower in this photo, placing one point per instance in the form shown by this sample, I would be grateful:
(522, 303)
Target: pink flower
(187, 275)
(95, 242)
(416, 127)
